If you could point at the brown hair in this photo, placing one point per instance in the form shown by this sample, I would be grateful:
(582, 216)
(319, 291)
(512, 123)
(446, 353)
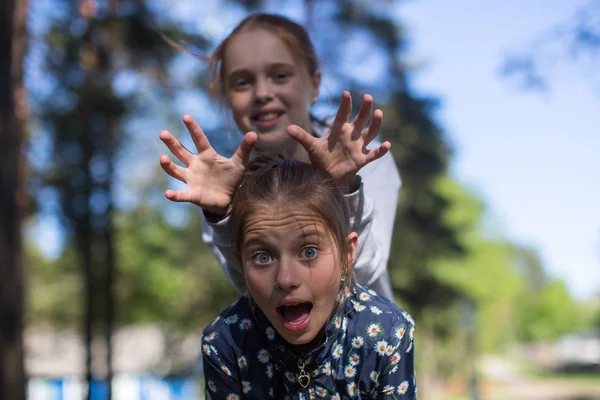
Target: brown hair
(294, 185)
(292, 34)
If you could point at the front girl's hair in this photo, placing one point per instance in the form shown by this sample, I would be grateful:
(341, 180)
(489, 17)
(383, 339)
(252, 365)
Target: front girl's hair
(277, 183)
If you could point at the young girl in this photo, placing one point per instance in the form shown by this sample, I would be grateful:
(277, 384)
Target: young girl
(307, 330)
(266, 72)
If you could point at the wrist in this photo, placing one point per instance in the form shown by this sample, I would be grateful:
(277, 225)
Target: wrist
(215, 214)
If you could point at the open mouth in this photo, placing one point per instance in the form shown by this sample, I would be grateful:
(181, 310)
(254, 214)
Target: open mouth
(295, 316)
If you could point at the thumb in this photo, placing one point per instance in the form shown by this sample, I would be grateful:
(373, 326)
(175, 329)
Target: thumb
(242, 154)
(305, 139)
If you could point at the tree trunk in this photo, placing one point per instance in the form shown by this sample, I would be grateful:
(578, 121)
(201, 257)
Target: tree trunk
(12, 199)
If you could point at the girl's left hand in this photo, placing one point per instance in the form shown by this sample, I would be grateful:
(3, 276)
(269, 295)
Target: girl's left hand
(342, 151)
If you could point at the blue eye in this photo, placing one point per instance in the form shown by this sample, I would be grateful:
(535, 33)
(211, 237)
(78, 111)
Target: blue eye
(309, 252)
(262, 258)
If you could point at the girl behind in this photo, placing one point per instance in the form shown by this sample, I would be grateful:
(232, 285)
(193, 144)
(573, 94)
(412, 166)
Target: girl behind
(266, 72)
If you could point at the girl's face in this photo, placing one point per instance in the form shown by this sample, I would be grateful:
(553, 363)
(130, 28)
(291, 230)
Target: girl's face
(292, 269)
(266, 88)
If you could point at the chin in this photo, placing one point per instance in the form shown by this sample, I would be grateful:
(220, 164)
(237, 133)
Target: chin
(272, 142)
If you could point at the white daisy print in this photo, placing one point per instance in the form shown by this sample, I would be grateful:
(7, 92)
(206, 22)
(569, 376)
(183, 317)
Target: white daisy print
(327, 368)
(374, 376)
(242, 362)
(372, 292)
(357, 342)
(409, 348)
(411, 333)
(321, 392)
(210, 337)
(263, 356)
(389, 351)
(354, 359)
(212, 387)
(271, 392)
(226, 370)
(270, 333)
(338, 351)
(246, 387)
(338, 322)
(245, 324)
(232, 396)
(364, 296)
(351, 389)
(388, 389)
(381, 347)
(408, 317)
(403, 387)
(375, 310)
(232, 319)
(373, 330)
(395, 359)
(399, 332)
(206, 349)
(290, 376)
(350, 371)
(336, 397)
(269, 371)
(358, 307)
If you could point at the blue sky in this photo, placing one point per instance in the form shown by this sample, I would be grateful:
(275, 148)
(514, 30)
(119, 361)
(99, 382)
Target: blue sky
(534, 157)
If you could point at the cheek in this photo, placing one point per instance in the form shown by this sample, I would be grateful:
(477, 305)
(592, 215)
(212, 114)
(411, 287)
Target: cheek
(239, 105)
(299, 95)
(259, 284)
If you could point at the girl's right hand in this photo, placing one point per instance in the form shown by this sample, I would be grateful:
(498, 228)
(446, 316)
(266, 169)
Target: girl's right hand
(211, 179)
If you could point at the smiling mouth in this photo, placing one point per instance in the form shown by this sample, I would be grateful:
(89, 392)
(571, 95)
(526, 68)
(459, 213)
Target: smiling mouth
(267, 117)
(295, 314)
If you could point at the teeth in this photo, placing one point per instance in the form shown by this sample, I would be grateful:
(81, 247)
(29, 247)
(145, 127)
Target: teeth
(267, 117)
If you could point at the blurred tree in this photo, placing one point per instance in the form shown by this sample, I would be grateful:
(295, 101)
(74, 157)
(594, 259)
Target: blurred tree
(12, 199)
(548, 314)
(575, 41)
(94, 48)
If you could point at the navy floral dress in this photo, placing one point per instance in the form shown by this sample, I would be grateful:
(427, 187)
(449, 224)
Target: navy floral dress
(367, 353)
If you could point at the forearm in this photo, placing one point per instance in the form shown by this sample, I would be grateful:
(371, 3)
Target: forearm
(217, 235)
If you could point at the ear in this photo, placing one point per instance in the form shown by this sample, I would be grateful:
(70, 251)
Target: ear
(352, 244)
(316, 83)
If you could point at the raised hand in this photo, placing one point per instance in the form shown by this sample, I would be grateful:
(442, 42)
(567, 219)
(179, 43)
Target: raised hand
(211, 179)
(342, 151)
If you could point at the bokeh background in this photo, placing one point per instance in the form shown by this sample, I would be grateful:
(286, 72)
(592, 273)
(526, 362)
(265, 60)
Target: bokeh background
(492, 111)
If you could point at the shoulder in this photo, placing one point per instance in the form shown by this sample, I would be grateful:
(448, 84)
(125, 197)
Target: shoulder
(377, 318)
(231, 326)
(381, 172)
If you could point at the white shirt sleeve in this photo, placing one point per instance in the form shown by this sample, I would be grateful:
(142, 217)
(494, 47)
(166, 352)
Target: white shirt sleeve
(381, 181)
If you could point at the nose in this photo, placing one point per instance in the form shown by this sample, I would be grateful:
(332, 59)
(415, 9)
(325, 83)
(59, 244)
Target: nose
(287, 278)
(263, 92)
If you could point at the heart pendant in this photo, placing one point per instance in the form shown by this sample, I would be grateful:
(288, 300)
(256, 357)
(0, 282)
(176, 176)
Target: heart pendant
(303, 379)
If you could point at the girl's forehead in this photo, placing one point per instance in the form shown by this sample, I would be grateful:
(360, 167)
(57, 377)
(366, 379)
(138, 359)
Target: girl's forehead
(254, 47)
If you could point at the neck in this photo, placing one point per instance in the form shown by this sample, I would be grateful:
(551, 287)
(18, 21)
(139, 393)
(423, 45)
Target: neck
(290, 149)
(310, 346)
